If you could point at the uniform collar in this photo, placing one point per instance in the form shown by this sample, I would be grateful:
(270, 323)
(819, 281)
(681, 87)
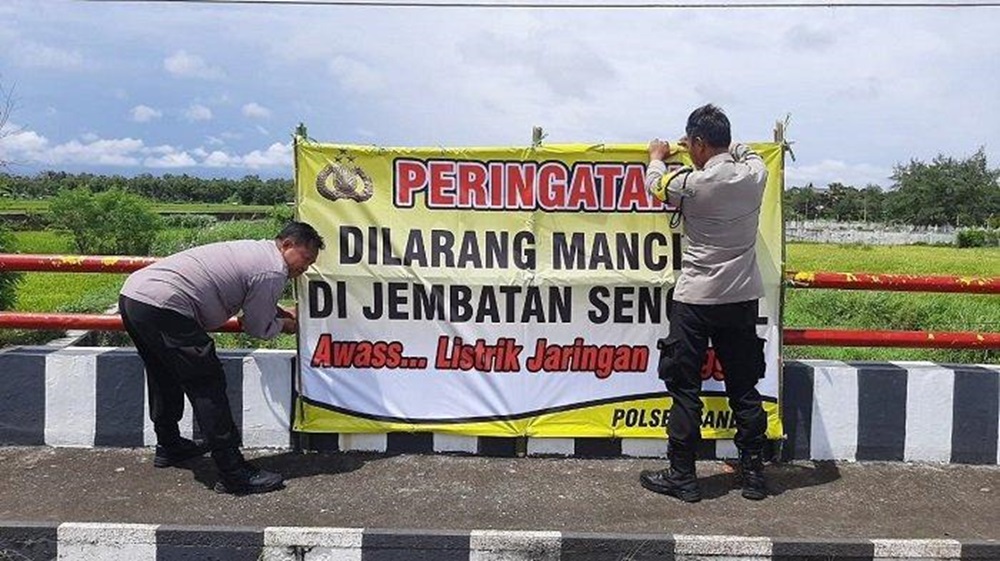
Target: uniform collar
(718, 159)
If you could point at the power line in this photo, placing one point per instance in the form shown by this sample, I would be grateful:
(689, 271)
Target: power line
(576, 5)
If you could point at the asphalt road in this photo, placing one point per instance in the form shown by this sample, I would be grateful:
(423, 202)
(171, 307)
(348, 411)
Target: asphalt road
(810, 500)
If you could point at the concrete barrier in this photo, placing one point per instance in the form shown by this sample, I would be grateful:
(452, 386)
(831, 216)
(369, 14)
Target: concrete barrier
(96, 396)
(140, 542)
(905, 411)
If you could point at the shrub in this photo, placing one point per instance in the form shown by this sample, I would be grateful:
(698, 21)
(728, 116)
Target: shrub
(198, 221)
(108, 223)
(282, 215)
(978, 237)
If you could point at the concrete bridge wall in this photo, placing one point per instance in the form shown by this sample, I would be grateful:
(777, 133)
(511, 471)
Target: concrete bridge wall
(922, 412)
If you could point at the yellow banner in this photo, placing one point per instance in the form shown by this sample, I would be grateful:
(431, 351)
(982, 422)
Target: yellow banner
(499, 292)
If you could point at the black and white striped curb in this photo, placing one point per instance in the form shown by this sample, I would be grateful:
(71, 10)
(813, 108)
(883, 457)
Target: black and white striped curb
(142, 542)
(891, 411)
(96, 396)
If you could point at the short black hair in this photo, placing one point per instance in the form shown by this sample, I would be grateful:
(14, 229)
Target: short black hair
(301, 234)
(710, 124)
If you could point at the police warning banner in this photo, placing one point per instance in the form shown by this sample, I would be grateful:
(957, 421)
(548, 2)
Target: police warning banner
(500, 292)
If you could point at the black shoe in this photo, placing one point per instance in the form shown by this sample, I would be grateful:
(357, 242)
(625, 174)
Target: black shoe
(665, 483)
(183, 450)
(752, 476)
(248, 480)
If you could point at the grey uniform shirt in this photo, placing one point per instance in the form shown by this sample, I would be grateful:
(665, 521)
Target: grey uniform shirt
(721, 208)
(213, 282)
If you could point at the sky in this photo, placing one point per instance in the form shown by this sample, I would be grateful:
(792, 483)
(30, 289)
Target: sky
(216, 89)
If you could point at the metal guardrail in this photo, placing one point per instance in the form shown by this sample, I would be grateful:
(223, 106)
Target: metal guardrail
(791, 336)
(73, 263)
(894, 282)
(93, 322)
(909, 339)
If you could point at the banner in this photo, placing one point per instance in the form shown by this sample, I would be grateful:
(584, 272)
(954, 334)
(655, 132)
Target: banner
(500, 292)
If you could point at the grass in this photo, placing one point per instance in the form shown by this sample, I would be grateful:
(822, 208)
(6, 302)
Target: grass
(914, 259)
(857, 309)
(94, 293)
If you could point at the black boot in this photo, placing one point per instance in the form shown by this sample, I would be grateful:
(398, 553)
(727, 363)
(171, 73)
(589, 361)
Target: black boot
(239, 477)
(179, 451)
(752, 475)
(678, 481)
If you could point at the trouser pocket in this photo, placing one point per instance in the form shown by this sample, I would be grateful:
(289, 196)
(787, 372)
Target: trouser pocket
(667, 366)
(758, 362)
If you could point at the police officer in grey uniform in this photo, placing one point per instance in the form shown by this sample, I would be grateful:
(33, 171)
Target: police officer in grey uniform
(715, 298)
(169, 307)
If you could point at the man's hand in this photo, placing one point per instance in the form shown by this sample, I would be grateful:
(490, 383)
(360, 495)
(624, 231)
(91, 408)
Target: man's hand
(658, 149)
(289, 323)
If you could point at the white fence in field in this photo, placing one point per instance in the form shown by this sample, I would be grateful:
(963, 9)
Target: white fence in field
(874, 233)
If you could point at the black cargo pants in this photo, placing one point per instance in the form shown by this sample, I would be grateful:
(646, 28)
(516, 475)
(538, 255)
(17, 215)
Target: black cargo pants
(732, 329)
(180, 359)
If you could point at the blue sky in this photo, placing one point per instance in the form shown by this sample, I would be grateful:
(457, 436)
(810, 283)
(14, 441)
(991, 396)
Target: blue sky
(216, 89)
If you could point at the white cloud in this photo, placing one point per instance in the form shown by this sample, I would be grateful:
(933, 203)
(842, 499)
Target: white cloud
(171, 160)
(256, 111)
(198, 112)
(355, 76)
(30, 54)
(107, 152)
(15, 142)
(29, 147)
(163, 149)
(184, 65)
(276, 155)
(837, 171)
(144, 114)
(809, 37)
(220, 159)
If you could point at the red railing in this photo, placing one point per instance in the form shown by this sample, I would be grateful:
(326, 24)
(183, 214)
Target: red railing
(801, 279)
(906, 283)
(96, 322)
(892, 282)
(868, 338)
(75, 264)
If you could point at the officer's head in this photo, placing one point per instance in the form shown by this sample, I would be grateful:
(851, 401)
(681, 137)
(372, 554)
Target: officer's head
(299, 244)
(707, 134)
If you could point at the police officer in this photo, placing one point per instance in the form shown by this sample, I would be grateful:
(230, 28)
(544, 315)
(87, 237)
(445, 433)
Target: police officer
(715, 297)
(168, 309)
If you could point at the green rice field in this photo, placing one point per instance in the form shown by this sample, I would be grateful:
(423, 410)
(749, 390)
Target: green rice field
(857, 309)
(95, 293)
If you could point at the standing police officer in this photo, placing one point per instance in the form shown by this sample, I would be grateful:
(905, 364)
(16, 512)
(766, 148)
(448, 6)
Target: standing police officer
(715, 298)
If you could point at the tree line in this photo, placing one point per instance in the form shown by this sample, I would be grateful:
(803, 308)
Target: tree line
(945, 192)
(248, 190)
(961, 192)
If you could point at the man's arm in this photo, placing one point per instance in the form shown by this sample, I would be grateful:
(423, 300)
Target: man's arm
(260, 308)
(745, 155)
(289, 319)
(659, 181)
